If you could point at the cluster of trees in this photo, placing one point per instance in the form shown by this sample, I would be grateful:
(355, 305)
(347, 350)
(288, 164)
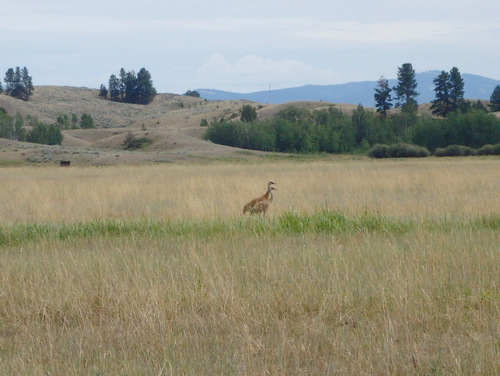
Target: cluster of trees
(65, 121)
(298, 130)
(130, 87)
(405, 92)
(30, 129)
(333, 131)
(18, 83)
(192, 93)
(449, 89)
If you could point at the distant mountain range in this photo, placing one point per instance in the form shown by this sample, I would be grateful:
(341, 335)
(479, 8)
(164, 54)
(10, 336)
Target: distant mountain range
(476, 87)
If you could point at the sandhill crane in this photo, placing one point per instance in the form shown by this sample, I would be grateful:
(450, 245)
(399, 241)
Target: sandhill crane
(260, 204)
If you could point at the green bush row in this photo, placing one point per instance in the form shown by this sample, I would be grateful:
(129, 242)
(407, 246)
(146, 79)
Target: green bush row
(461, 151)
(403, 150)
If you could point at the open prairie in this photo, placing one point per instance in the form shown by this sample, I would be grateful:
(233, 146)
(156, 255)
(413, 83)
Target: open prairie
(360, 267)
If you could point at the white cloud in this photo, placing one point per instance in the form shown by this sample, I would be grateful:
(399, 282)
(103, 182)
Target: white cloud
(256, 73)
(395, 32)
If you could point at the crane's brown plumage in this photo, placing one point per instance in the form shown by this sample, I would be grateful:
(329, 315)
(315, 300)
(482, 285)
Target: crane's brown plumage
(260, 204)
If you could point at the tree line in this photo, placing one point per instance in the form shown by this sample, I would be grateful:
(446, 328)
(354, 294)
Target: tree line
(30, 129)
(331, 130)
(455, 122)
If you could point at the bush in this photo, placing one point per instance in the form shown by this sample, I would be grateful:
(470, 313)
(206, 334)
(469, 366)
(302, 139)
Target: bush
(454, 151)
(408, 151)
(378, 151)
(489, 150)
(401, 150)
(131, 142)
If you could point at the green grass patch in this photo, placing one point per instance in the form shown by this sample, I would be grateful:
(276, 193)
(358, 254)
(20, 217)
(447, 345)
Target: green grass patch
(291, 222)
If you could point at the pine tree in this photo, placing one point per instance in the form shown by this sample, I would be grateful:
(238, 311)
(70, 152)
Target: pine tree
(27, 85)
(103, 92)
(495, 99)
(456, 89)
(114, 88)
(383, 97)
(144, 87)
(406, 89)
(13, 82)
(442, 105)
(449, 93)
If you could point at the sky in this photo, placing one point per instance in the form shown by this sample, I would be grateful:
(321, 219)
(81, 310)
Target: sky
(246, 46)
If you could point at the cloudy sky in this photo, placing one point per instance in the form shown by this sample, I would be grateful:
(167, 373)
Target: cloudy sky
(246, 46)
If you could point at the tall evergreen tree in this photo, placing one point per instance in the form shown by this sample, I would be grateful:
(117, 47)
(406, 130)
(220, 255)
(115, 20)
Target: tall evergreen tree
(442, 105)
(114, 88)
(129, 85)
(144, 87)
(383, 97)
(13, 82)
(457, 89)
(103, 91)
(27, 84)
(495, 99)
(406, 92)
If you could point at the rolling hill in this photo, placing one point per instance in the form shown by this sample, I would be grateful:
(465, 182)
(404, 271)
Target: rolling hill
(171, 121)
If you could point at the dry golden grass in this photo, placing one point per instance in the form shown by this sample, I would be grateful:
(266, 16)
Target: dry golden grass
(415, 189)
(424, 301)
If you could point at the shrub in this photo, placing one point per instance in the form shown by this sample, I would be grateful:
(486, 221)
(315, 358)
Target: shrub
(407, 151)
(454, 151)
(131, 142)
(489, 150)
(378, 151)
(401, 150)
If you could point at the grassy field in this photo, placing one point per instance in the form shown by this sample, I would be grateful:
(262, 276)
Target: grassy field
(361, 268)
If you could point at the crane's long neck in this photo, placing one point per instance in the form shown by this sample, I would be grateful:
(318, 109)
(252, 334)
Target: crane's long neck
(269, 194)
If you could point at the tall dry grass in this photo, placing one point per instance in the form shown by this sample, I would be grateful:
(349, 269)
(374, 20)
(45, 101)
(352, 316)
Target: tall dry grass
(363, 301)
(406, 189)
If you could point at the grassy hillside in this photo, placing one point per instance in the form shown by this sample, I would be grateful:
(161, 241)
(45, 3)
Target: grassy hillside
(171, 121)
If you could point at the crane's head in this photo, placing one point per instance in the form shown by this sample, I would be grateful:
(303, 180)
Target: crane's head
(270, 186)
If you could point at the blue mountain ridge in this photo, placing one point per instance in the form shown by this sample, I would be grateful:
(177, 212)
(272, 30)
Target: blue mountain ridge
(476, 87)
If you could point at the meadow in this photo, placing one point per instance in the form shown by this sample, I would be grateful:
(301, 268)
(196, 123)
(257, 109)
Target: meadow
(360, 267)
